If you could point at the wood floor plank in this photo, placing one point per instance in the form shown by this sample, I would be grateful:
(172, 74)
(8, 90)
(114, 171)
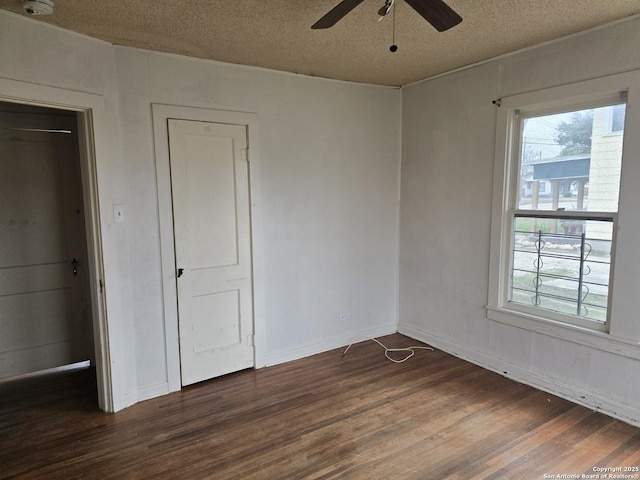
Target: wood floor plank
(330, 416)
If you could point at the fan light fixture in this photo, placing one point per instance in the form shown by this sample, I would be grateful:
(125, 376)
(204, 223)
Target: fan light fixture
(38, 7)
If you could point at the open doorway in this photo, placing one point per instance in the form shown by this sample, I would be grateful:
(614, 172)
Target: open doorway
(45, 291)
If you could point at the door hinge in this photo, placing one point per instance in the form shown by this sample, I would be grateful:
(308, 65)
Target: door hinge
(246, 155)
(101, 285)
(250, 342)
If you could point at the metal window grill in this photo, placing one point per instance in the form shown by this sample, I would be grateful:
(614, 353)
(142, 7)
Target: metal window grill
(557, 279)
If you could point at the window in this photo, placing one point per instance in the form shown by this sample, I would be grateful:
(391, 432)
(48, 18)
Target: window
(554, 239)
(617, 118)
(562, 236)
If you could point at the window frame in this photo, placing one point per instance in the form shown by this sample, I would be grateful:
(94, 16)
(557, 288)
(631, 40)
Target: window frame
(587, 94)
(519, 115)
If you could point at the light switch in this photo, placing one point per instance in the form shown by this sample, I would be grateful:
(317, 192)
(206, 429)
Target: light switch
(118, 213)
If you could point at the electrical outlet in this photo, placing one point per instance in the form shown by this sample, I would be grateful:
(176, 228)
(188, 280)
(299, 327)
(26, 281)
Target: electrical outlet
(344, 316)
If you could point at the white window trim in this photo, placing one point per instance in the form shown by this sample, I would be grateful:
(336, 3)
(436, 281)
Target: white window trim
(618, 336)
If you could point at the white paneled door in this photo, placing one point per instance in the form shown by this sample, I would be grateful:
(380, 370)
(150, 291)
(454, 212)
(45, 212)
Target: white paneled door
(45, 317)
(212, 229)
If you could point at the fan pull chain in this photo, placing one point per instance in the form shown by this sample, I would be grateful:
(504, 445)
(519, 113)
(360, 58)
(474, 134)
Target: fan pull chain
(394, 47)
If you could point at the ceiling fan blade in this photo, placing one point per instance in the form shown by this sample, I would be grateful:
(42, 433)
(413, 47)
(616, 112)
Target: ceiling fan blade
(437, 13)
(336, 13)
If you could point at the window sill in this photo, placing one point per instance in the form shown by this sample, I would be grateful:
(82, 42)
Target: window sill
(571, 333)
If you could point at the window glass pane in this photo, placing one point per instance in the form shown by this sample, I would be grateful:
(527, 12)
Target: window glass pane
(562, 265)
(617, 118)
(571, 161)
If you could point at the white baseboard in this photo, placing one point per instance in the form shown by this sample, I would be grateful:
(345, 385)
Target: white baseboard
(626, 413)
(308, 350)
(152, 391)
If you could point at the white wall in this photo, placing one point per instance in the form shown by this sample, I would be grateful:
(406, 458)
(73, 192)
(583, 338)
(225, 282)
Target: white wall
(329, 185)
(329, 177)
(448, 135)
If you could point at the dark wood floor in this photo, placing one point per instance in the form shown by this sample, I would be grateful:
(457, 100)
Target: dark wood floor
(327, 416)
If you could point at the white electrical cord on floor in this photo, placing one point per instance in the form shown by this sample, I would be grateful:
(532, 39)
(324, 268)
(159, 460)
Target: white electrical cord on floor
(411, 351)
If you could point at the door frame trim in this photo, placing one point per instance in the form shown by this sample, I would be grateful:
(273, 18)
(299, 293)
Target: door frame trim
(92, 139)
(161, 113)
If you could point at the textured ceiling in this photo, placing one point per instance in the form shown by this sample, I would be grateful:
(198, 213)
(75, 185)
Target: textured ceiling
(276, 34)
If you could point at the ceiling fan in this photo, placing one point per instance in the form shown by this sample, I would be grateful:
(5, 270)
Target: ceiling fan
(436, 12)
